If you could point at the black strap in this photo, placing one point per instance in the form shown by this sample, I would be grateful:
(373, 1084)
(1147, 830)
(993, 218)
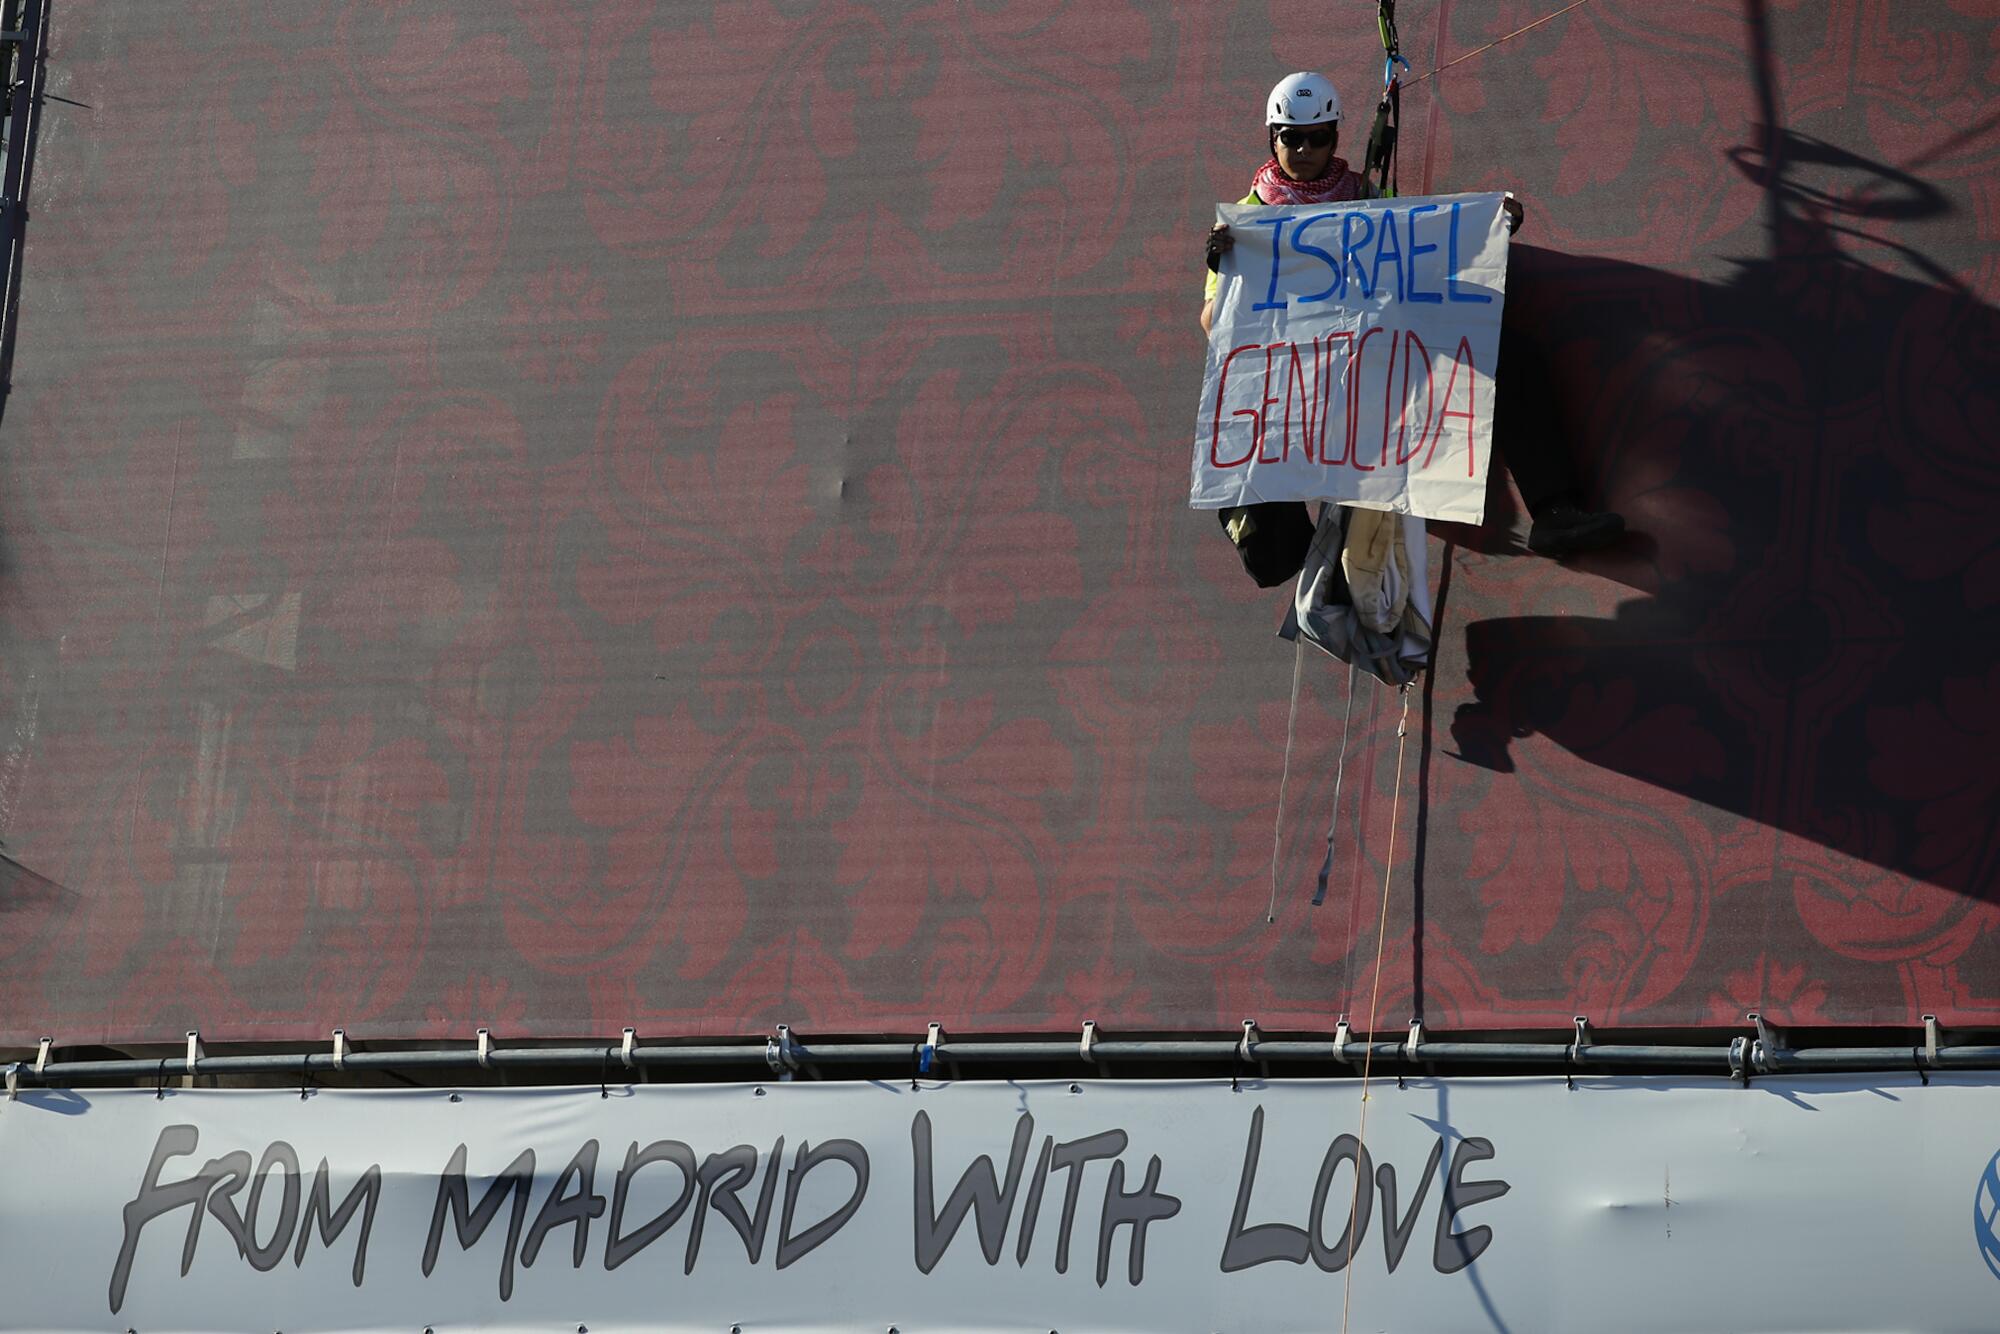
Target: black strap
(1379, 166)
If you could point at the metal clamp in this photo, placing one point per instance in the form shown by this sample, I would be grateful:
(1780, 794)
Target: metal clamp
(781, 1054)
(1415, 1040)
(626, 1046)
(1573, 1054)
(1246, 1050)
(485, 1050)
(194, 1054)
(1342, 1035)
(1086, 1046)
(339, 1048)
(14, 1069)
(1769, 1044)
(1739, 1059)
(1933, 1039)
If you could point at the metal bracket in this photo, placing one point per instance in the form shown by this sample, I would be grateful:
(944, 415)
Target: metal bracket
(1086, 1046)
(1770, 1041)
(1342, 1035)
(1739, 1059)
(626, 1046)
(339, 1048)
(795, 1052)
(1247, 1044)
(485, 1056)
(194, 1054)
(1574, 1055)
(14, 1069)
(1414, 1041)
(781, 1054)
(927, 1054)
(1933, 1039)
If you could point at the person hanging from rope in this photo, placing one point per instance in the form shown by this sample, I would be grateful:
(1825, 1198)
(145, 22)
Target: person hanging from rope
(1304, 167)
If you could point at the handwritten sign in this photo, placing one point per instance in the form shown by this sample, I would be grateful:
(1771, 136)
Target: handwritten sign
(1351, 356)
(1172, 1205)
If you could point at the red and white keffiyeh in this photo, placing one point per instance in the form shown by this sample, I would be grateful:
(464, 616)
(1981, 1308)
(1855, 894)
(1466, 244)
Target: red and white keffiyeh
(1335, 184)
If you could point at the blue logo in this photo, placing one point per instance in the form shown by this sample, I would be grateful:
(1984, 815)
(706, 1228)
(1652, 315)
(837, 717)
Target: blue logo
(1986, 1214)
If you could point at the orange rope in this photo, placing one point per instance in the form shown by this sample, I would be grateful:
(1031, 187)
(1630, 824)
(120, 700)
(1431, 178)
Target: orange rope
(1374, 998)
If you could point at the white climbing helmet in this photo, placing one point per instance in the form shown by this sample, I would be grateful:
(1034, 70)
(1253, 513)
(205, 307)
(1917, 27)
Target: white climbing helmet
(1304, 98)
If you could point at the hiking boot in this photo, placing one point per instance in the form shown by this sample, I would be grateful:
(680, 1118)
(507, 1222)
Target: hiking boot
(1564, 529)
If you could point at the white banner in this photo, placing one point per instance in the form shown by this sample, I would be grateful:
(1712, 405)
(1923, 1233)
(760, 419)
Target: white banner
(1351, 356)
(1512, 1204)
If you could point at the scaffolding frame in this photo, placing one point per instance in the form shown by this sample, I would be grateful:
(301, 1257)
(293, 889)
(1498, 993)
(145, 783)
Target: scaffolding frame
(1764, 1051)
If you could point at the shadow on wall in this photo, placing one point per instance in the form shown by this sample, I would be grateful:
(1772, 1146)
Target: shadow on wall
(1809, 455)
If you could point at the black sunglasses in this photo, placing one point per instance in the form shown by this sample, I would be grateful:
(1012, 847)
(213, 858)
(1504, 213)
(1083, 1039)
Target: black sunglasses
(1313, 138)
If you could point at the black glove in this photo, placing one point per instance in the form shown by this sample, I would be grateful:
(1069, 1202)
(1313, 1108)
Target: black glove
(1219, 243)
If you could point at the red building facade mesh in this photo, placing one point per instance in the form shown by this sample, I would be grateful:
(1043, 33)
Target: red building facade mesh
(568, 515)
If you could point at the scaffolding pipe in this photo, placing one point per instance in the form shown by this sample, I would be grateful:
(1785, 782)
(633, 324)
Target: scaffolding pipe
(1103, 1057)
(1969, 1058)
(1879, 1058)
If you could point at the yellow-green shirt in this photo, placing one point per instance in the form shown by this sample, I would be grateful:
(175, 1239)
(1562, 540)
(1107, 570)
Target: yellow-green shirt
(1214, 281)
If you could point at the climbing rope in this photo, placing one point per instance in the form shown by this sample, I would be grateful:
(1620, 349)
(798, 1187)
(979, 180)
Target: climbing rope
(1526, 27)
(1291, 724)
(1374, 998)
(1339, 772)
(1354, 875)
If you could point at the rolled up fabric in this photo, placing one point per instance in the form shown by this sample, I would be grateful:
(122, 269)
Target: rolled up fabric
(1325, 611)
(1377, 568)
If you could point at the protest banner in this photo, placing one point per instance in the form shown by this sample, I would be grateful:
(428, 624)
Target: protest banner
(1351, 356)
(1535, 1203)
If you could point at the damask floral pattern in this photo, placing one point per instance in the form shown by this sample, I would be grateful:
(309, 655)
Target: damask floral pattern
(558, 516)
